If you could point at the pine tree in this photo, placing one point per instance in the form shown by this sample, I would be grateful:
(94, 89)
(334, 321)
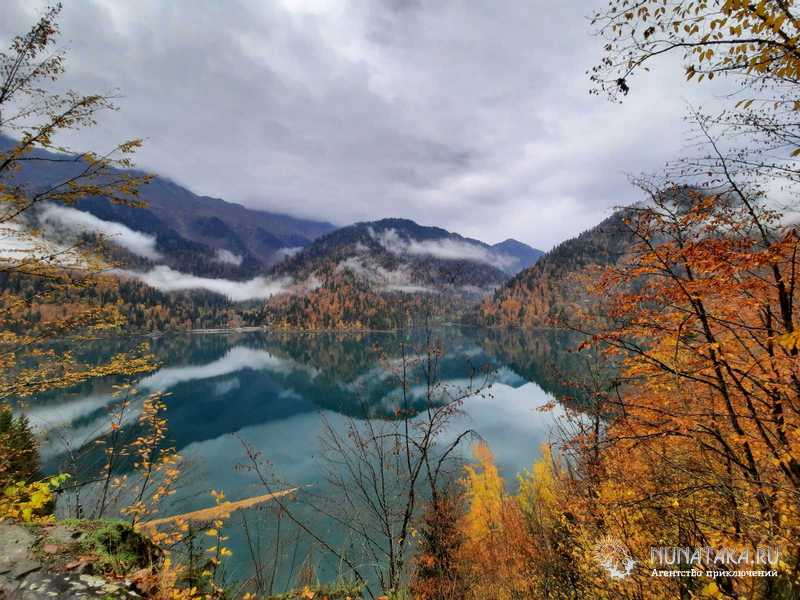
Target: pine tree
(19, 449)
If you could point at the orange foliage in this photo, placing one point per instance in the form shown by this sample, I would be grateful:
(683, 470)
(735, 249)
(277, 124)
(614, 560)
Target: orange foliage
(698, 444)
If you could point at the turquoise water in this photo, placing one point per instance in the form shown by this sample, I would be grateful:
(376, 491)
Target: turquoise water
(276, 392)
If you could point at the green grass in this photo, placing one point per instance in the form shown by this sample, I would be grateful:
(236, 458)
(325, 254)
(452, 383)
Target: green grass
(117, 547)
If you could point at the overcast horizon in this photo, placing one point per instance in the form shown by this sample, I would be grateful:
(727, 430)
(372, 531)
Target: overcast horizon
(476, 119)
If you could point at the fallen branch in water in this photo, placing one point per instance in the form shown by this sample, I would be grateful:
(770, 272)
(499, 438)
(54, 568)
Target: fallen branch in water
(220, 511)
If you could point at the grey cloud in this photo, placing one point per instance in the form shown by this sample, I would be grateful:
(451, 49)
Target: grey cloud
(472, 116)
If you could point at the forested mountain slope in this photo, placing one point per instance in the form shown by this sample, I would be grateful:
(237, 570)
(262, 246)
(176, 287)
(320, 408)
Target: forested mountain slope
(195, 234)
(401, 255)
(544, 293)
(526, 255)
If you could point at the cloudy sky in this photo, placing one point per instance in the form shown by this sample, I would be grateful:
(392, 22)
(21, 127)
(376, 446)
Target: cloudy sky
(472, 115)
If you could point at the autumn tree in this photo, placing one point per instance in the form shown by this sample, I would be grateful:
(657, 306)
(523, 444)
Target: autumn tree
(41, 282)
(698, 441)
(436, 560)
(32, 117)
(758, 41)
(385, 472)
(754, 45)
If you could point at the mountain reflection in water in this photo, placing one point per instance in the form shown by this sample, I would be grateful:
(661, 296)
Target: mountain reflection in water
(273, 390)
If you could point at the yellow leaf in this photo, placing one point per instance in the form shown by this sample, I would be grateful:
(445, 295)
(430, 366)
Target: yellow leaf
(791, 340)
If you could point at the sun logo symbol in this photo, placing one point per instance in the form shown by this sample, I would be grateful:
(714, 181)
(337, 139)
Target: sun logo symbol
(614, 557)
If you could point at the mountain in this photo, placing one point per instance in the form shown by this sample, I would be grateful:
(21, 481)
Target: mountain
(401, 255)
(384, 274)
(293, 272)
(544, 293)
(197, 234)
(216, 223)
(526, 255)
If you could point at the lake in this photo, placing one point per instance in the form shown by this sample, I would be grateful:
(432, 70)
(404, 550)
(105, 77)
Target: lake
(277, 391)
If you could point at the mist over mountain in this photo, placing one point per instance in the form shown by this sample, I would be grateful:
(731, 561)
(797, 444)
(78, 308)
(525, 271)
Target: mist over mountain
(401, 255)
(526, 255)
(182, 242)
(383, 275)
(190, 233)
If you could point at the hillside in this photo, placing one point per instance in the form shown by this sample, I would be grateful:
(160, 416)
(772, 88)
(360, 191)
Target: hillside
(293, 272)
(195, 234)
(544, 293)
(385, 274)
(526, 255)
(401, 255)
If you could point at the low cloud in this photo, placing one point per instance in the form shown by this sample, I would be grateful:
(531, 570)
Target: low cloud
(283, 253)
(18, 244)
(476, 291)
(227, 257)
(169, 280)
(445, 249)
(55, 219)
(400, 280)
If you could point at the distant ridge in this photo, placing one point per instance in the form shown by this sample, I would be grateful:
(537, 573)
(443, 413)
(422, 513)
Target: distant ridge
(416, 256)
(189, 228)
(385, 274)
(525, 254)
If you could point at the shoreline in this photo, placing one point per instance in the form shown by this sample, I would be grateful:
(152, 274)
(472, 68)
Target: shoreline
(218, 331)
(268, 329)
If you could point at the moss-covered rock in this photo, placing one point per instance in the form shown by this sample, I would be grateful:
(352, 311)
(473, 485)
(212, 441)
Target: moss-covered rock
(72, 559)
(115, 547)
